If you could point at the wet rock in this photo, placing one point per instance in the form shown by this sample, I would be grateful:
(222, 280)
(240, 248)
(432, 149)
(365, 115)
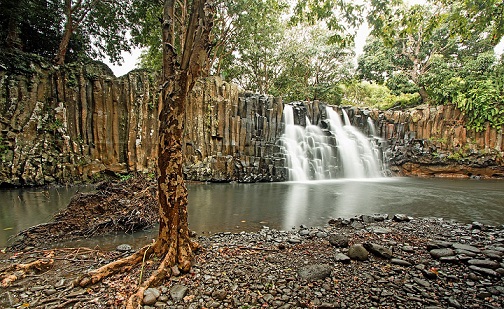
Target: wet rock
(338, 241)
(421, 282)
(342, 258)
(493, 254)
(367, 219)
(124, 248)
(49, 292)
(466, 247)
(304, 232)
(314, 272)
(438, 253)
(485, 271)
(219, 294)
(409, 249)
(465, 252)
(477, 225)
(358, 252)
(449, 259)
(400, 262)
(357, 225)
(401, 218)
(378, 250)
(484, 263)
(294, 240)
(454, 303)
(438, 244)
(177, 292)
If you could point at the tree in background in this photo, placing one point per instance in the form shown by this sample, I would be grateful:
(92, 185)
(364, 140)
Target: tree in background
(30, 26)
(102, 23)
(311, 68)
(186, 26)
(69, 30)
(248, 43)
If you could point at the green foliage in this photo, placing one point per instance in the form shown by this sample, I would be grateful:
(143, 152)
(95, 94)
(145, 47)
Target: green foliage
(340, 16)
(124, 177)
(467, 17)
(483, 102)
(364, 94)
(378, 96)
(99, 28)
(3, 147)
(310, 67)
(30, 26)
(475, 84)
(399, 83)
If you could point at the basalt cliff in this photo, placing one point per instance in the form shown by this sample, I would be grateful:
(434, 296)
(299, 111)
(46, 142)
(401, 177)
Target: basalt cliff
(73, 123)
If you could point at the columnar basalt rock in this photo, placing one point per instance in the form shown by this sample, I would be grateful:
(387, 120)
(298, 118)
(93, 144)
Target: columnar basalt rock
(71, 123)
(68, 124)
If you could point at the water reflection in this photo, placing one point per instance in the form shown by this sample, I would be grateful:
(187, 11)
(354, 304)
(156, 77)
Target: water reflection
(23, 208)
(247, 207)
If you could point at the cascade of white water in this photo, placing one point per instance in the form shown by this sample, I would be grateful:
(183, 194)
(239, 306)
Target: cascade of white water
(371, 126)
(340, 151)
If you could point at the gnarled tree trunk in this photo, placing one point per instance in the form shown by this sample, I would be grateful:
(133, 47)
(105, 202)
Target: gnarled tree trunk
(180, 72)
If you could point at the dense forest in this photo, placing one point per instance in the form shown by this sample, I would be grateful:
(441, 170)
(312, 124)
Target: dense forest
(436, 52)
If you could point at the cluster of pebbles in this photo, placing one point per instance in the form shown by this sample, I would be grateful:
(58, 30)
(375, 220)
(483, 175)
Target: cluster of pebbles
(366, 262)
(376, 261)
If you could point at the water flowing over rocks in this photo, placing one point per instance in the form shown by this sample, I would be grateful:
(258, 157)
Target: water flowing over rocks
(264, 269)
(70, 123)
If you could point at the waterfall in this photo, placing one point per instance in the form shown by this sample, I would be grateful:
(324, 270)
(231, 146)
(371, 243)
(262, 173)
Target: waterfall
(340, 150)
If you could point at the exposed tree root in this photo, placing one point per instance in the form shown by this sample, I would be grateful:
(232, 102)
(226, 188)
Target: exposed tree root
(163, 271)
(19, 271)
(122, 265)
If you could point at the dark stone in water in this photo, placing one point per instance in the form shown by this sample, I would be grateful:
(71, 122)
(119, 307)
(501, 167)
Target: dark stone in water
(401, 218)
(123, 248)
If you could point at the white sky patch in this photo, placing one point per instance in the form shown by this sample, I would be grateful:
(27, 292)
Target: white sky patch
(129, 63)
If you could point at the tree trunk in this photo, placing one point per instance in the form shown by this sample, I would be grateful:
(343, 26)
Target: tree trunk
(423, 94)
(173, 246)
(12, 40)
(173, 239)
(67, 34)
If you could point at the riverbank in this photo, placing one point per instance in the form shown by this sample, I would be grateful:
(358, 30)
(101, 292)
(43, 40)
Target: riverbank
(403, 263)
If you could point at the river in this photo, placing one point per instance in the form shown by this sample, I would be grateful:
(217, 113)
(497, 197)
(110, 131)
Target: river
(238, 207)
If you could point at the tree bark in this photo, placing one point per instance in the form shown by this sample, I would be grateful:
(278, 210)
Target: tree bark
(12, 40)
(67, 34)
(179, 78)
(180, 73)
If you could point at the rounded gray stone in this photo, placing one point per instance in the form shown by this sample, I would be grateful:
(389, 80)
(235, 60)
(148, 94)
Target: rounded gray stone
(314, 272)
(358, 252)
(439, 253)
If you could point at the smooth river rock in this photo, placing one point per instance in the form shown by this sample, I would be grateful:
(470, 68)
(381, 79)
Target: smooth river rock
(439, 253)
(358, 252)
(314, 272)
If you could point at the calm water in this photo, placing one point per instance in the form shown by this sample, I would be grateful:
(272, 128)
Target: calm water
(238, 207)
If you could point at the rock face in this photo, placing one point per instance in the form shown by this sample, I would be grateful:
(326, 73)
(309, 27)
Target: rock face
(68, 124)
